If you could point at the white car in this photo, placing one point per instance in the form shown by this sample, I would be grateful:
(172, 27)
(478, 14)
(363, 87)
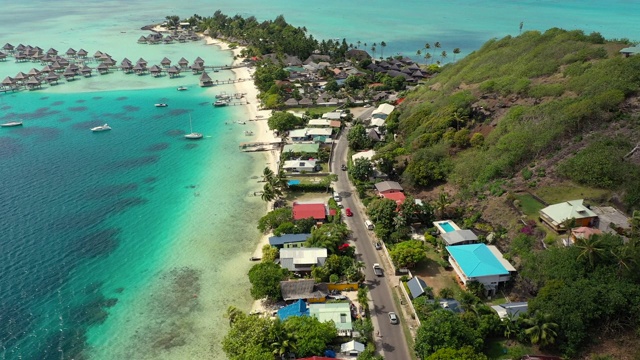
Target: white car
(339, 204)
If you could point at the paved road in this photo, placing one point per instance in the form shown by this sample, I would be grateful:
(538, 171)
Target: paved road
(391, 340)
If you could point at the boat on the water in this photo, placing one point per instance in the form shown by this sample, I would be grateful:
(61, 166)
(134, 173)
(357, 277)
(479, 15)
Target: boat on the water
(221, 102)
(192, 135)
(104, 127)
(223, 95)
(161, 105)
(182, 88)
(11, 124)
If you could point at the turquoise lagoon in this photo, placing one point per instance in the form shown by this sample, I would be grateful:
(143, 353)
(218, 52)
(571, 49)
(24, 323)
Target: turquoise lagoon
(131, 244)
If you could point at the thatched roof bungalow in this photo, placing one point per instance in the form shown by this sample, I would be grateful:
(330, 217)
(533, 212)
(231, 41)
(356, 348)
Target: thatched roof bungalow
(155, 70)
(183, 63)
(8, 48)
(173, 71)
(103, 68)
(71, 52)
(205, 79)
(142, 40)
(33, 83)
(165, 62)
(86, 71)
(82, 53)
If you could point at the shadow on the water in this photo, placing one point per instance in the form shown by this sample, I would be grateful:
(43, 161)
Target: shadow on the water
(175, 132)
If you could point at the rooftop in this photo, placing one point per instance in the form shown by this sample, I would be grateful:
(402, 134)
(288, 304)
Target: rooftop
(416, 287)
(388, 185)
(302, 148)
(459, 236)
(339, 313)
(288, 238)
(573, 209)
(317, 211)
(477, 260)
(298, 308)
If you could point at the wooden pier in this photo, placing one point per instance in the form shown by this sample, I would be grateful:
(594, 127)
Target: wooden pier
(259, 146)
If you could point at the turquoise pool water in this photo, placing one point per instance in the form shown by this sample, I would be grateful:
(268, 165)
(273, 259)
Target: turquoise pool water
(294, 182)
(446, 226)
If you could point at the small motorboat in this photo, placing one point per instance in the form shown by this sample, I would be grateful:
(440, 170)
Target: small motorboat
(182, 88)
(219, 103)
(11, 124)
(104, 127)
(161, 105)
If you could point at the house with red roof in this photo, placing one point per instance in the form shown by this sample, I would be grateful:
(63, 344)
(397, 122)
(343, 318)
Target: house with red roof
(317, 211)
(398, 197)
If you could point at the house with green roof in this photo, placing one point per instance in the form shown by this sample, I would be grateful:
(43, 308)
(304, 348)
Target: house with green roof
(481, 263)
(557, 214)
(339, 313)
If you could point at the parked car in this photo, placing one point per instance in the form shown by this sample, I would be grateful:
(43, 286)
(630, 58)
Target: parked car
(343, 167)
(378, 245)
(337, 297)
(348, 212)
(339, 203)
(393, 318)
(336, 196)
(377, 269)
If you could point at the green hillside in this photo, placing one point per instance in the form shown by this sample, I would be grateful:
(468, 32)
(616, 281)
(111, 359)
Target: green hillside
(559, 104)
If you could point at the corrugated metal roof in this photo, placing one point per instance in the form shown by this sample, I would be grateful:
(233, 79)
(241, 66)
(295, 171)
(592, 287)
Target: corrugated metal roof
(477, 260)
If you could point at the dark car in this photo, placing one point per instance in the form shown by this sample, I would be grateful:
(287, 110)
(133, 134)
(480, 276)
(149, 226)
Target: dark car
(343, 167)
(348, 212)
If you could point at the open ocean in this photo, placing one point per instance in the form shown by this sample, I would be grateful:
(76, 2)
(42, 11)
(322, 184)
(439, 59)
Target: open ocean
(131, 244)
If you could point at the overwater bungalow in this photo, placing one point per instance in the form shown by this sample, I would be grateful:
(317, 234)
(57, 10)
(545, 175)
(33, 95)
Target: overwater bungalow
(126, 67)
(20, 47)
(173, 71)
(52, 51)
(82, 53)
(36, 55)
(8, 48)
(3, 56)
(21, 57)
(155, 70)
(109, 62)
(97, 55)
(182, 38)
(142, 62)
(20, 78)
(71, 52)
(139, 69)
(73, 67)
(198, 60)
(197, 68)
(165, 62)
(142, 40)
(57, 67)
(33, 83)
(103, 69)
(194, 37)
(183, 63)
(62, 61)
(46, 69)
(33, 72)
(86, 71)
(8, 82)
(168, 40)
(69, 74)
(52, 78)
(205, 79)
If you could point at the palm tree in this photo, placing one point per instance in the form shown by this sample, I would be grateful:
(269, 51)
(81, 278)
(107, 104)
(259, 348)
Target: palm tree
(267, 175)
(456, 51)
(446, 293)
(442, 203)
(418, 53)
(540, 329)
(285, 342)
(373, 49)
(427, 56)
(592, 249)
(268, 195)
(510, 325)
(383, 45)
(233, 313)
(443, 55)
(359, 42)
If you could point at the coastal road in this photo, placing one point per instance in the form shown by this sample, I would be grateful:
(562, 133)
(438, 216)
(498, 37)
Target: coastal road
(391, 340)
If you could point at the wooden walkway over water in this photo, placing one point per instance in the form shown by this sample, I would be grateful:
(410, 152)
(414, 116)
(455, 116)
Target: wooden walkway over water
(259, 146)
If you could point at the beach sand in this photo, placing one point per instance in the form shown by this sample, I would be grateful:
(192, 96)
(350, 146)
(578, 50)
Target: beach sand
(263, 134)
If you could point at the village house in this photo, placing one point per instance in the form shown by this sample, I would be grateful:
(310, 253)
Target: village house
(388, 187)
(556, 215)
(417, 287)
(352, 348)
(482, 263)
(302, 259)
(305, 289)
(289, 240)
(382, 112)
(582, 233)
(339, 313)
(317, 211)
(511, 310)
(459, 237)
(300, 165)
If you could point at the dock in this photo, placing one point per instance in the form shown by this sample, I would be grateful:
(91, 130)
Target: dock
(259, 146)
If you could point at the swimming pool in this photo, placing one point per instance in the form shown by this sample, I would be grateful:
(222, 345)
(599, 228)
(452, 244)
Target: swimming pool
(446, 226)
(293, 182)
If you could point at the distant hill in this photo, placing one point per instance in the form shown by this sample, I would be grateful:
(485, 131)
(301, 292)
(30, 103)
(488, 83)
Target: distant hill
(558, 105)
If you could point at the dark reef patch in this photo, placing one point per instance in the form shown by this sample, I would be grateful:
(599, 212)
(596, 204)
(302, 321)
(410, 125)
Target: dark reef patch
(44, 98)
(5, 108)
(80, 101)
(150, 180)
(42, 133)
(121, 98)
(78, 108)
(176, 112)
(190, 146)
(131, 108)
(64, 119)
(99, 243)
(133, 163)
(158, 147)
(175, 132)
(57, 103)
(96, 97)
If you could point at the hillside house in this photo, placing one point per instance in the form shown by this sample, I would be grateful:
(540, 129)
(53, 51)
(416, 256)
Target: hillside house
(388, 187)
(481, 263)
(555, 215)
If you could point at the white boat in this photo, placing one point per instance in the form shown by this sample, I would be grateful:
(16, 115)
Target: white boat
(182, 88)
(192, 135)
(161, 105)
(221, 102)
(104, 127)
(223, 95)
(11, 124)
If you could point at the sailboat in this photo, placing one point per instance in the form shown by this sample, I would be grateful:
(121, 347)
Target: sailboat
(11, 124)
(192, 135)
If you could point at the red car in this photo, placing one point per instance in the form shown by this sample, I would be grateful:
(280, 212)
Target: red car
(348, 212)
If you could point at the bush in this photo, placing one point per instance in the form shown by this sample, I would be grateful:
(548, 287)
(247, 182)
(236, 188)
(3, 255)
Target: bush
(526, 173)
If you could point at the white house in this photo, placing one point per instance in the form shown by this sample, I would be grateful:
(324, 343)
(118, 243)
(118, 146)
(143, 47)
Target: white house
(352, 348)
(300, 165)
(382, 111)
(302, 259)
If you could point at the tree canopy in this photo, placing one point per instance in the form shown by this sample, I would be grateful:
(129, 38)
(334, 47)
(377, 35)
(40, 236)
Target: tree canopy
(443, 329)
(282, 121)
(265, 280)
(408, 253)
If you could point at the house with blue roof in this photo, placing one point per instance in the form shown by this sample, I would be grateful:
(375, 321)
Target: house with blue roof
(482, 263)
(289, 240)
(298, 308)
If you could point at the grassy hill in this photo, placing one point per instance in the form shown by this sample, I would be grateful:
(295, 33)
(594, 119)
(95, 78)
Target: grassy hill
(532, 110)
